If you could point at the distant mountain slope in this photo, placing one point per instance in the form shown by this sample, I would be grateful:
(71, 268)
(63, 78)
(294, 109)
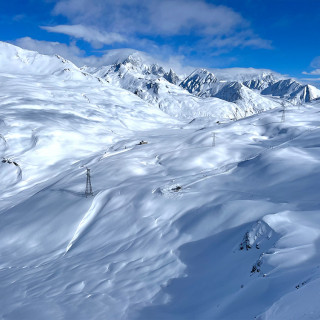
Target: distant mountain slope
(205, 85)
(159, 87)
(264, 83)
(292, 90)
(199, 95)
(20, 61)
(199, 81)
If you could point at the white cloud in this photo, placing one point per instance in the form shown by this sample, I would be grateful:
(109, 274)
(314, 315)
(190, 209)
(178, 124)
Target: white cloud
(313, 72)
(242, 40)
(310, 79)
(315, 64)
(166, 17)
(70, 52)
(89, 34)
(219, 26)
(77, 56)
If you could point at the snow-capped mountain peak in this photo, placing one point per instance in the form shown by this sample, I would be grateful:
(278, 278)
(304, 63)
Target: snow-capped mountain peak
(292, 90)
(16, 60)
(198, 81)
(172, 77)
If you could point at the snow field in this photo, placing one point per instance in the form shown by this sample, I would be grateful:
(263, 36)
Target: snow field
(176, 228)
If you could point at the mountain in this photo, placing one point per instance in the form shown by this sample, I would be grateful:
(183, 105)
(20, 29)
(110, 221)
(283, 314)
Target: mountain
(19, 61)
(204, 84)
(261, 82)
(159, 87)
(189, 219)
(292, 90)
(245, 74)
(172, 77)
(199, 81)
(199, 95)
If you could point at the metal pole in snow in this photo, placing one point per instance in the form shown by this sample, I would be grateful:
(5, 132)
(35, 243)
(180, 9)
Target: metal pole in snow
(213, 139)
(88, 184)
(283, 117)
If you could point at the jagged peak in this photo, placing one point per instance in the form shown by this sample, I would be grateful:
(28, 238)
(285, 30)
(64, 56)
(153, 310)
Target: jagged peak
(198, 81)
(172, 77)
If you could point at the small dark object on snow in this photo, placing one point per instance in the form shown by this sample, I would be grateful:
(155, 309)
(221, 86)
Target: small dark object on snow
(245, 242)
(176, 189)
(15, 164)
(142, 142)
(255, 269)
(4, 161)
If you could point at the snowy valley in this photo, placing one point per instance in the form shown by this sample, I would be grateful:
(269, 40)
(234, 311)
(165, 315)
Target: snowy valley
(204, 200)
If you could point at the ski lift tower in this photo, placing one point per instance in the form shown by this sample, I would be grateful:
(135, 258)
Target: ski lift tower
(88, 185)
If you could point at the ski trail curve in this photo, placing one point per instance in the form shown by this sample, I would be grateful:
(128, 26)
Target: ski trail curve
(97, 205)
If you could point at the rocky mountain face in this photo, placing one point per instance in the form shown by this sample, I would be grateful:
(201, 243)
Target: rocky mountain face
(250, 93)
(264, 84)
(260, 83)
(292, 90)
(199, 82)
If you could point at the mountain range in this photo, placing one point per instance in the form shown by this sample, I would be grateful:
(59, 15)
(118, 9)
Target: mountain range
(204, 201)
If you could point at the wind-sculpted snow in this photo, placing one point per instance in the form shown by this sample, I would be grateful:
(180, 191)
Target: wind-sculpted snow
(188, 219)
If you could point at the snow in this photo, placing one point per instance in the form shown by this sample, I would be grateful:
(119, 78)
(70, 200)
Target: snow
(292, 90)
(245, 74)
(177, 228)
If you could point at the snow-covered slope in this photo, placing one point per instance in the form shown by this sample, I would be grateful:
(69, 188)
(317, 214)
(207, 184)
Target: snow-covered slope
(205, 84)
(199, 95)
(198, 220)
(159, 87)
(245, 74)
(260, 82)
(247, 91)
(293, 91)
(19, 61)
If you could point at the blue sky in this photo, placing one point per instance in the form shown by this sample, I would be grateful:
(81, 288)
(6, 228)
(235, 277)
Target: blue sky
(281, 35)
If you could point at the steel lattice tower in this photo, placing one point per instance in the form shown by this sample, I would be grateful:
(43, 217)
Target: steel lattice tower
(88, 185)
